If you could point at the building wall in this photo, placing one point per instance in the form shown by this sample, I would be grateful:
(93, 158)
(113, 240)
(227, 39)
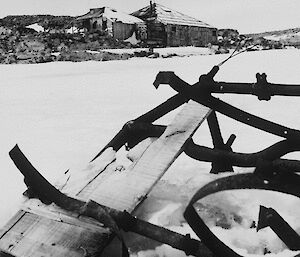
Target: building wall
(118, 30)
(156, 33)
(99, 24)
(180, 35)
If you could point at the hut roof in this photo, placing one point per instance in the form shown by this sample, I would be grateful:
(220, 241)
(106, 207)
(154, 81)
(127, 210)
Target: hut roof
(111, 14)
(168, 16)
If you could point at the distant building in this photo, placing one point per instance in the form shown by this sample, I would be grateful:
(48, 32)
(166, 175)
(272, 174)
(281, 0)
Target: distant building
(117, 24)
(171, 28)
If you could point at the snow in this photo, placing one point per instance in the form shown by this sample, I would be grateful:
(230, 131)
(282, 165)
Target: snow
(62, 114)
(36, 27)
(115, 15)
(132, 39)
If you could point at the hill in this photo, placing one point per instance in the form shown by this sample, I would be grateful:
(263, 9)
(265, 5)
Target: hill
(47, 21)
(287, 37)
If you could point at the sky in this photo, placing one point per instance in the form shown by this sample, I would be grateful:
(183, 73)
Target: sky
(247, 16)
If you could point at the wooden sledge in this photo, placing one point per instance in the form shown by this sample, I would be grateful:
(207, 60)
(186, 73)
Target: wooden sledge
(40, 230)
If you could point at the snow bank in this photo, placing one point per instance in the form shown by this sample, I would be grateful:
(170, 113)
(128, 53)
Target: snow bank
(115, 15)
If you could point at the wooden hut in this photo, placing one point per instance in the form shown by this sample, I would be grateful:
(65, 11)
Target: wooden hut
(117, 24)
(167, 27)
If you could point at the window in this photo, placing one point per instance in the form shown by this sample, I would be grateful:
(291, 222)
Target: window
(174, 29)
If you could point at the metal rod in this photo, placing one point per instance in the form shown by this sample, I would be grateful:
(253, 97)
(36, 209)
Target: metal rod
(138, 131)
(162, 109)
(285, 182)
(272, 153)
(202, 95)
(249, 88)
(132, 133)
(215, 131)
(6, 254)
(220, 165)
(268, 217)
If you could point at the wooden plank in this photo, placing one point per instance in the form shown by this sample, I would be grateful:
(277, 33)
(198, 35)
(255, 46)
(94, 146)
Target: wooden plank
(15, 219)
(35, 235)
(41, 230)
(125, 190)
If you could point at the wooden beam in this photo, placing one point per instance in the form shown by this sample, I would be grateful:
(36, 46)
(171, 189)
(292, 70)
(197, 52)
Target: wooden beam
(41, 230)
(125, 190)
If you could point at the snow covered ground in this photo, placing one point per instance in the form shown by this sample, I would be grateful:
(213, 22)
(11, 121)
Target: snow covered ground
(61, 114)
(181, 51)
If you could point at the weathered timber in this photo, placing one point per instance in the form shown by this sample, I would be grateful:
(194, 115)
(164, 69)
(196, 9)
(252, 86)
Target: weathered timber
(34, 235)
(135, 183)
(111, 218)
(119, 190)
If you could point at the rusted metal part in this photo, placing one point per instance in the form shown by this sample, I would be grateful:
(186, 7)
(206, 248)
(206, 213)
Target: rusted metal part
(110, 217)
(182, 242)
(162, 109)
(220, 165)
(120, 139)
(138, 131)
(131, 134)
(205, 86)
(201, 93)
(250, 88)
(273, 89)
(5, 254)
(268, 217)
(264, 177)
(262, 88)
(272, 153)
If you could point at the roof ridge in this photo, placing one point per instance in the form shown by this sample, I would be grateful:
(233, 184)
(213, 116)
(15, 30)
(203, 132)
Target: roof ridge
(179, 12)
(168, 15)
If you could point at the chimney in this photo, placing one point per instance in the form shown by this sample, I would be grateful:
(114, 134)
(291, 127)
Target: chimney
(152, 8)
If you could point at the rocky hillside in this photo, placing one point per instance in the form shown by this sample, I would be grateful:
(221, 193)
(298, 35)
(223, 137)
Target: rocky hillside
(47, 21)
(289, 37)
